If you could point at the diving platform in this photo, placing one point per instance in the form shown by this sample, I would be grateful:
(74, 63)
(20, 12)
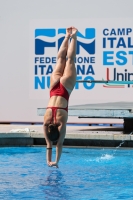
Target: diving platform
(118, 110)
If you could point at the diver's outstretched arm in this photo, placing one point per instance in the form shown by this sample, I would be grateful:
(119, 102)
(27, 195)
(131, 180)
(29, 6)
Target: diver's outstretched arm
(49, 146)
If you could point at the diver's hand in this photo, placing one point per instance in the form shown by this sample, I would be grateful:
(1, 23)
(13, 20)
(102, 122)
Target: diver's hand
(53, 164)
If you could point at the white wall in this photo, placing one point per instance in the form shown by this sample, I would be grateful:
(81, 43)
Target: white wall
(15, 15)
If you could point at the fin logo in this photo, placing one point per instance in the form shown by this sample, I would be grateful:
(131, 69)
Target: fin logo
(45, 38)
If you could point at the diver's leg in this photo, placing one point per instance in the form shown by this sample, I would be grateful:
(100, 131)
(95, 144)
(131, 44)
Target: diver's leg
(61, 56)
(69, 76)
(61, 60)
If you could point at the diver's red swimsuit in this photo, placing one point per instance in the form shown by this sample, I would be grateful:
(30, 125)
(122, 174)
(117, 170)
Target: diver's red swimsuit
(58, 90)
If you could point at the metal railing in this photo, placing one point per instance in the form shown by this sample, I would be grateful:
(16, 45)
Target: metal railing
(102, 81)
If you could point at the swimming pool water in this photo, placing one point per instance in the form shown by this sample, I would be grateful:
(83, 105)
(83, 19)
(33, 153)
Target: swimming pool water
(88, 174)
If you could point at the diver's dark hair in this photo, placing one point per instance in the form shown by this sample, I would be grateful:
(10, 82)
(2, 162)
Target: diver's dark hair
(53, 133)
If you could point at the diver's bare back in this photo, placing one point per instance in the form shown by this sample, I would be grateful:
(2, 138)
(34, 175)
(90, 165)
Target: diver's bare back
(61, 115)
(60, 103)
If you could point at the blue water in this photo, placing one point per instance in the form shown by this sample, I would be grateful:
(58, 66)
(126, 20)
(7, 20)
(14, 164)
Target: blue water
(88, 174)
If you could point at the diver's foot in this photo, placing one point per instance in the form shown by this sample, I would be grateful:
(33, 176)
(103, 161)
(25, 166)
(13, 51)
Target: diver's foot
(68, 32)
(74, 32)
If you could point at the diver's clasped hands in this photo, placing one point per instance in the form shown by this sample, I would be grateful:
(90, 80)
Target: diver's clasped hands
(71, 31)
(52, 164)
